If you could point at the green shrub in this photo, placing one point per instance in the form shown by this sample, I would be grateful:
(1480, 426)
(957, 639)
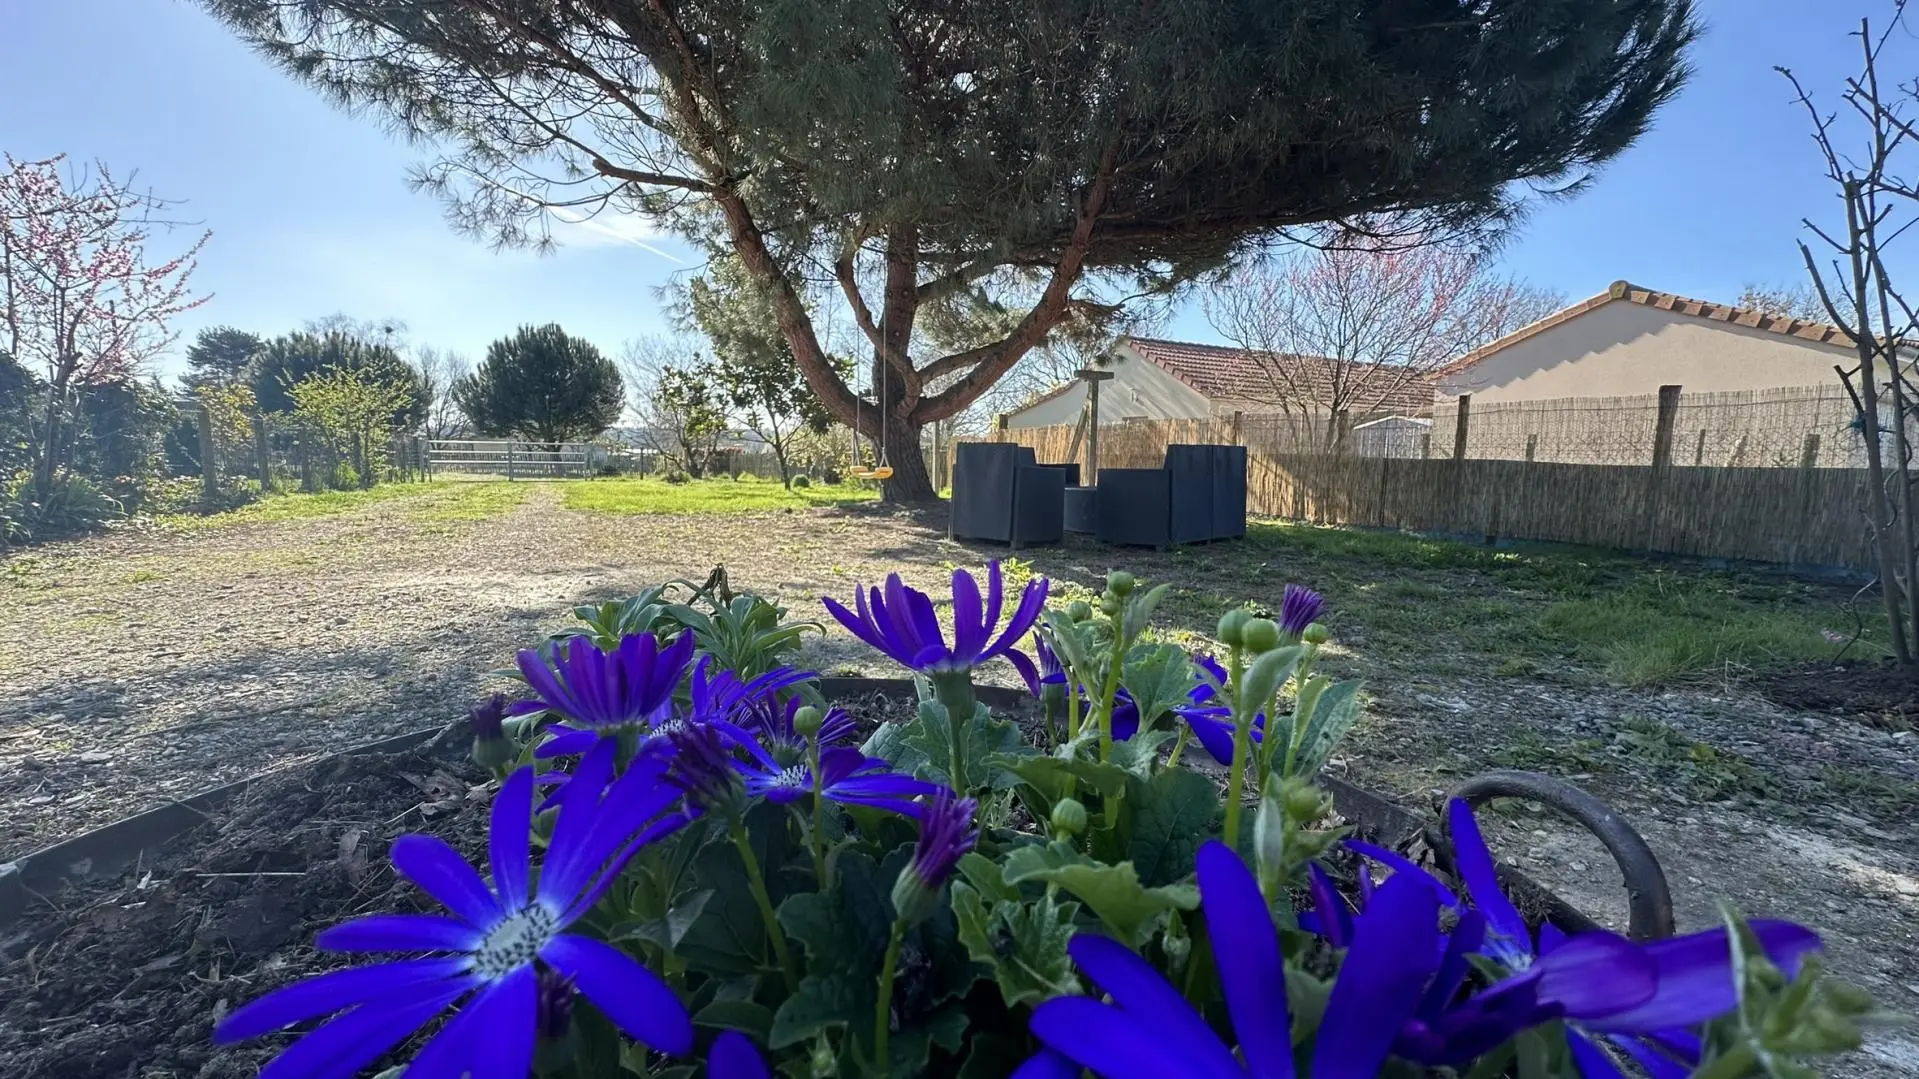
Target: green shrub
(74, 505)
(801, 482)
(676, 477)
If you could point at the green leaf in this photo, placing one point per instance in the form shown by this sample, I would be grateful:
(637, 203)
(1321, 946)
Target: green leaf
(1055, 778)
(1334, 713)
(986, 746)
(666, 933)
(1266, 674)
(1139, 611)
(888, 743)
(844, 935)
(1139, 754)
(1173, 815)
(1158, 676)
(985, 876)
(1022, 944)
(741, 1015)
(1067, 640)
(727, 938)
(1113, 892)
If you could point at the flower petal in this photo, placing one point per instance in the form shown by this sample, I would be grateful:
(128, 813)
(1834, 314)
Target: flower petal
(569, 855)
(1394, 954)
(440, 871)
(400, 933)
(1695, 975)
(1252, 972)
(340, 1048)
(1215, 733)
(1594, 975)
(1403, 866)
(1119, 1045)
(1032, 600)
(625, 991)
(491, 1035)
(533, 667)
(1593, 1061)
(1027, 671)
(1657, 1063)
(335, 990)
(969, 632)
(734, 1057)
(508, 840)
(1138, 989)
(854, 624)
(1507, 932)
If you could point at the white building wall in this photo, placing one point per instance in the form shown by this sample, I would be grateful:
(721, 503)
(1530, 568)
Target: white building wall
(1139, 389)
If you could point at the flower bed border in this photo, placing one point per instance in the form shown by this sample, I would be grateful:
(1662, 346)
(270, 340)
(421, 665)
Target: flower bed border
(111, 848)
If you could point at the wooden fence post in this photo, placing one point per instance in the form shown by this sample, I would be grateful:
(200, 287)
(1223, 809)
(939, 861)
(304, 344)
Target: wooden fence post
(1808, 460)
(260, 454)
(1661, 459)
(209, 457)
(1459, 426)
(509, 460)
(1699, 451)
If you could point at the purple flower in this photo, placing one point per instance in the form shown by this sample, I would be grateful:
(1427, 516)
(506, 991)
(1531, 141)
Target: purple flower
(1043, 672)
(490, 949)
(705, 769)
(847, 776)
(1209, 716)
(1640, 996)
(605, 693)
(714, 696)
(1300, 607)
(488, 718)
(771, 723)
(734, 1057)
(1149, 1031)
(947, 833)
(900, 622)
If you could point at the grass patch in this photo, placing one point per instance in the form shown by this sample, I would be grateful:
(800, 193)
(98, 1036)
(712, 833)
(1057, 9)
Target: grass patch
(748, 494)
(1448, 608)
(443, 501)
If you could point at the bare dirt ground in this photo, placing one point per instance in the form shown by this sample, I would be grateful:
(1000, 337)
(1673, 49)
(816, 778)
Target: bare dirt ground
(135, 669)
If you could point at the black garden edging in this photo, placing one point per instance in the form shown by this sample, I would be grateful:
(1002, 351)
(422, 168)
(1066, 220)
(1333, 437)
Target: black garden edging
(108, 850)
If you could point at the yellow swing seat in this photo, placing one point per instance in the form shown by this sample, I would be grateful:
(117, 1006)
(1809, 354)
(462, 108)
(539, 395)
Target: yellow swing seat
(883, 472)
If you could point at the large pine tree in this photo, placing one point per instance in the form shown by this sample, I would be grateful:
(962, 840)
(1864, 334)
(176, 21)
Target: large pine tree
(904, 150)
(543, 386)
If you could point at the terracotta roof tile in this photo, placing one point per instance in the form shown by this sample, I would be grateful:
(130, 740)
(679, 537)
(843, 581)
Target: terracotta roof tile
(1226, 374)
(1817, 332)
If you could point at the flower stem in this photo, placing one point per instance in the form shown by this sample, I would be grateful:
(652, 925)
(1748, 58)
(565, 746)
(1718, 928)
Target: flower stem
(1110, 694)
(1179, 745)
(883, 1007)
(1734, 1062)
(1073, 690)
(765, 902)
(1242, 744)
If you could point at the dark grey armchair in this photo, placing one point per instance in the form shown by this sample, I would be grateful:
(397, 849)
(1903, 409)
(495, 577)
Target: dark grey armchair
(1198, 495)
(1001, 493)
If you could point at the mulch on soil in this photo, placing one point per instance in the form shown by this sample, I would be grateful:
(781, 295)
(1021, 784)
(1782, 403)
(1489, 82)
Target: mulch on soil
(1883, 694)
(126, 977)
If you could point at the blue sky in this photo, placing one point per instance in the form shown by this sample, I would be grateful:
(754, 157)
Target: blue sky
(311, 212)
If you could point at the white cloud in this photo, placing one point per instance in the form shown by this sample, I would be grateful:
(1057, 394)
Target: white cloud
(607, 229)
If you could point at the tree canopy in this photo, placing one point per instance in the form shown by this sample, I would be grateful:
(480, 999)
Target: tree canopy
(899, 153)
(544, 386)
(287, 361)
(220, 354)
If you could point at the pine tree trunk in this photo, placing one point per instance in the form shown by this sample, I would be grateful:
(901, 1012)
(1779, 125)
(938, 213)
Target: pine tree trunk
(910, 481)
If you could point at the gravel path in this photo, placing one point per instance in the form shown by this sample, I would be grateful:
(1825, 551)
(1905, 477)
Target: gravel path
(135, 669)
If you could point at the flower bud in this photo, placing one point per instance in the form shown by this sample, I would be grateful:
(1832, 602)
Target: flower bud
(1177, 948)
(1079, 610)
(492, 749)
(1069, 817)
(1231, 625)
(1120, 583)
(947, 833)
(806, 722)
(1259, 635)
(1109, 605)
(1315, 634)
(1305, 803)
(825, 1064)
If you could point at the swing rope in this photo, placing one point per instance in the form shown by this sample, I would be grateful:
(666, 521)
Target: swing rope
(881, 470)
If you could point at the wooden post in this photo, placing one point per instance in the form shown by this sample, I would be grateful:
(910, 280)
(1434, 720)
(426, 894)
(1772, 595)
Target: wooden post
(1532, 447)
(1459, 426)
(303, 437)
(1662, 431)
(1092, 379)
(1661, 460)
(209, 457)
(260, 454)
(1699, 451)
(509, 460)
(1808, 460)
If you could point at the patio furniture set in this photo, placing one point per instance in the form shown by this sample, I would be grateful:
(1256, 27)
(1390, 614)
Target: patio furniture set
(1003, 494)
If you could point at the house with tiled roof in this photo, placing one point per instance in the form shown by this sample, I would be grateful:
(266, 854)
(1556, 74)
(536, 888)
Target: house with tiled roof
(1176, 380)
(1629, 341)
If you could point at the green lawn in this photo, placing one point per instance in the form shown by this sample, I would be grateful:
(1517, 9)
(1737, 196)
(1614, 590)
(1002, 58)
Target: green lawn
(747, 494)
(1464, 609)
(439, 501)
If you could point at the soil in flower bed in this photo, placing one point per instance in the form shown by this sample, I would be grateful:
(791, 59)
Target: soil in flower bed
(1881, 693)
(126, 977)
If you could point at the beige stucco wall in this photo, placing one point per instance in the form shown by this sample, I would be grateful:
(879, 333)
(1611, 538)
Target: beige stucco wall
(1624, 349)
(1137, 390)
